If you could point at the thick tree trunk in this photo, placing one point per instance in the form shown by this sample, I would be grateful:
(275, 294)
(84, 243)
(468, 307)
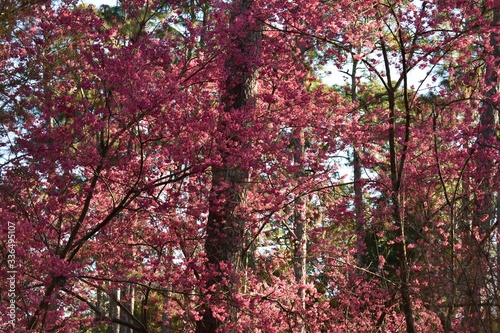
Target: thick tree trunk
(225, 225)
(484, 205)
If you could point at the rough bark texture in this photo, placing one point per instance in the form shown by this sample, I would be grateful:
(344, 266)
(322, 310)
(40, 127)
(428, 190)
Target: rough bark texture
(225, 227)
(485, 203)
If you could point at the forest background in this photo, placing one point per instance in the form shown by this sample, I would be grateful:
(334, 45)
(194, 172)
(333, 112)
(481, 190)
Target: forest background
(181, 166)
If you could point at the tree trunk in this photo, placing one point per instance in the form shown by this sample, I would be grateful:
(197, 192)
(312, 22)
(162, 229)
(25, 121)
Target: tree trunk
(300, 225)
(404, 272)
(396, 174)
(128, 296)
(358, 187)
(484, 205)
(225, 226)
(114, 311)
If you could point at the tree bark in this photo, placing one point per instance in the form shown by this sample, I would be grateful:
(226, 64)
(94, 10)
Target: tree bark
(114, 311)
(358, 187)
(225, 226)
(484, 206)
(128, 295)
(300, 226)
(396, 173)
